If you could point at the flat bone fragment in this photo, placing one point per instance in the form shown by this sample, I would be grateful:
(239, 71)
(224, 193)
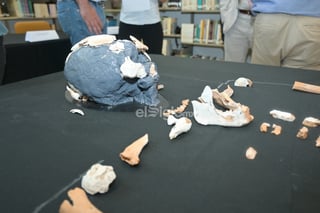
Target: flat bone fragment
(318, 141)
(181, 125)
(303, 133)
(131, 153)
(264, 127)
(276, 129)
(243, 82)
(251, 153)
(286, 116)
(79, 203)
(95, 40)
(311, 122)
(98, 179)
(206, 113)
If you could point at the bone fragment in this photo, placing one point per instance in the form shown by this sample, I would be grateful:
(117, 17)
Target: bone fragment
(181, 125)
(276, 129)
(77, 111)
(95, 40)
(131, 153)
(243, 82)
(224, 98)
(318, 141)
(286, 116)
(98, 178)
(251, 153)
(300, 86)
(131, 69)
(179, 109)
(79, 203)
(264, 127)
(303, 133)
(311, 122)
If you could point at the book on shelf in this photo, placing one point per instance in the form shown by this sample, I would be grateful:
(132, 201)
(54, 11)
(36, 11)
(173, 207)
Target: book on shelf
(187, 32)
(169, 25)
(201, 5)
(166, 47)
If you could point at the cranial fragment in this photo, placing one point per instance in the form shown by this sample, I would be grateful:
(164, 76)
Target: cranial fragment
(243, 82)
(276, 129)
(303, 133)
(206, 113)
(286, 116)
(79, 203)
(311, 122)
(181, 125)
(98, 178)
(264, 127)
(251, 153)
(131, 153)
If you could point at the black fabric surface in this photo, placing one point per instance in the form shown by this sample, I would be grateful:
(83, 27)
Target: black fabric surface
(45, 149)
(25, 60)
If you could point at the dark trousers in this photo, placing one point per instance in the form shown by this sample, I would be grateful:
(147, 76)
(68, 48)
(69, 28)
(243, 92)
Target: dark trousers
(151, 34)
(2, 60)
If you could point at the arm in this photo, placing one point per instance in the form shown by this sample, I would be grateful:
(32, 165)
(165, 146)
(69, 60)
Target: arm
(90, 16)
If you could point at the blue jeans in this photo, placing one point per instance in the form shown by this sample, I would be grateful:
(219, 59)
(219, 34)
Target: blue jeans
(71, 21)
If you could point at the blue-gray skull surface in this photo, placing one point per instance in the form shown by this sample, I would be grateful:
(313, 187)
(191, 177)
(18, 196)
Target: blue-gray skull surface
(112, 72)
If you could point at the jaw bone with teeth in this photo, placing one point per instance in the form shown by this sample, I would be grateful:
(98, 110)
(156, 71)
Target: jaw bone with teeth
(206, 113)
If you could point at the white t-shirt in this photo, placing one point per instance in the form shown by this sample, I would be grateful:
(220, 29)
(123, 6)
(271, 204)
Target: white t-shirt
(140, 12)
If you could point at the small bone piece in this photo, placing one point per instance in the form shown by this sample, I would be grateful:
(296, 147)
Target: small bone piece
(97, 179)
(79, 203)
(318, 141)
(139, 45)
(311, 122)
(131, 153)
(181, 125)
(179, 109)
(286, 116)
(264, 127)
(303, 133)
(77, 111)
(251, 153)
(276, 129)
(243, 82)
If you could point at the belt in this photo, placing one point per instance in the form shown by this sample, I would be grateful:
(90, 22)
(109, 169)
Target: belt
(247, 12)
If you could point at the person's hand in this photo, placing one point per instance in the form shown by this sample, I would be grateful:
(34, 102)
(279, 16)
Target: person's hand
(90, 17)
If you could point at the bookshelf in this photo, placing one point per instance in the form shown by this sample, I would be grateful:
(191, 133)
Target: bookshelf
(20, 10)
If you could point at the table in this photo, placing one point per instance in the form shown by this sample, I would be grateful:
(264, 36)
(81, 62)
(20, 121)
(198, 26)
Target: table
(26, 60)
(45, 149)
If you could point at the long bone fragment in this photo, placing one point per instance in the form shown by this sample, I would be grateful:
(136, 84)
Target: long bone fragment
(131, 153)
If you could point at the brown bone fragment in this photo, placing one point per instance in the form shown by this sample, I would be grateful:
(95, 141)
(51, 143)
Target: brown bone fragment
(276, 129)
(80, 203)
(131, 153)
(303, 133)
(264, 127)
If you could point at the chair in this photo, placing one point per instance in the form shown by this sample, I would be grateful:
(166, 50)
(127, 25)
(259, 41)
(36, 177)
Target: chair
(24, 26)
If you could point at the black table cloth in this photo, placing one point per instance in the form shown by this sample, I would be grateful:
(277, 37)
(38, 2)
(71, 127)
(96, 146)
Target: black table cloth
(45, 149)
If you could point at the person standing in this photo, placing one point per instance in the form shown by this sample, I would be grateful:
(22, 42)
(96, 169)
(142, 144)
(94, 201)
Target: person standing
(237, 22)
(287, 33)
(141, 19)
(81, 18)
